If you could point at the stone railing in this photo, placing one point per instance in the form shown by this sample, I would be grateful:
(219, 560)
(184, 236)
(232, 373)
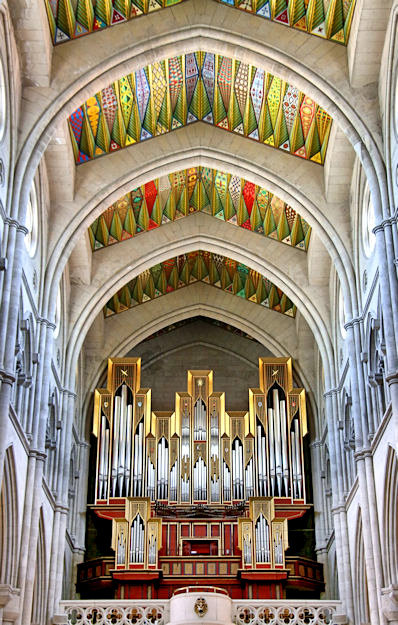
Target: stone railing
(114, 612)
(244, 612)
(285, 612)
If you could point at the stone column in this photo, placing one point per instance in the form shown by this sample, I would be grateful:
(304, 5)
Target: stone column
(9, 308)
(339, 509)
(35, 474)
(365, 478)
(55, 591)
(388, 289)
(320, 530)
(344, 569)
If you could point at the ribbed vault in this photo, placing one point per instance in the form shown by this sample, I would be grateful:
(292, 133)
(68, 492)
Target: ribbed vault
(302, 187)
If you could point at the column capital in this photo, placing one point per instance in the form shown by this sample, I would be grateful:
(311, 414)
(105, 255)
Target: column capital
(389, 602)
(39, 454)
(354, 321)
(7, 377)
(392, 377)
(14, 223)
(363, 453)
(46, 322)
(330, 392)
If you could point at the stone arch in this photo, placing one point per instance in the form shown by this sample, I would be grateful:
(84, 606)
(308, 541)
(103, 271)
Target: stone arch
(287, 67)
(9, 522)
(197, 299)
(390, 518)
(96, 298)
(113, 189)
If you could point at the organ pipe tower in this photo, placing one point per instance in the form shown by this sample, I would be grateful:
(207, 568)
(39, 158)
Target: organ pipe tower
(199, 494)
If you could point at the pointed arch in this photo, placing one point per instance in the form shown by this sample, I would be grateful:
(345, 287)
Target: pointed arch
(9, 522)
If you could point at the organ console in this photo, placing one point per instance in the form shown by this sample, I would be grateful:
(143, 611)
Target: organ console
(200, 494)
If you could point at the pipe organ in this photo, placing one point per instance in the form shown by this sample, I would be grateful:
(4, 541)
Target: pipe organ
(199, 493)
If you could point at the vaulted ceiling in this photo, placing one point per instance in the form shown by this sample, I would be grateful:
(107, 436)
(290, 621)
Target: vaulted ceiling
(176, 117)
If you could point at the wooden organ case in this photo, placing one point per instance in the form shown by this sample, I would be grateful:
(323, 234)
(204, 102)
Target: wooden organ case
(199, 495)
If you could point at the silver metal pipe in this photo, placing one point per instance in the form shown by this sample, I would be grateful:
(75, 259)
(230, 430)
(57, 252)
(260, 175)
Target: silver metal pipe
(277, 433)
(106, 463)
(127, 463)
(298, 457)
(267, 543)
(241, 469)
(294, 463)
(257, 534)
(264, 456)
(115, 450)
(260, 462)
(271, 449)
(285, 461)
(101, 458)
(122, 439)
(141, 543)
(166, 472)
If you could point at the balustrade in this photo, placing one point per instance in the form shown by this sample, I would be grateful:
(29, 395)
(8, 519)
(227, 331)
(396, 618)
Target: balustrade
(244, 612)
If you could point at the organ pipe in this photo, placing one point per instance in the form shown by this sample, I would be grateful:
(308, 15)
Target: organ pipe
(130, 463)
(129, 422)
(173, 482)
(285, 461)
(277, 439)
(226, 482)
(122, 440)
(271, 449)
(121, 548)
(163, 469)
(249, 479)
(150, 480)
(137, 537)
(116, 419)
(103, 461)
(200, 453)
(152, 550)
(262, 540)
(199, 420)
